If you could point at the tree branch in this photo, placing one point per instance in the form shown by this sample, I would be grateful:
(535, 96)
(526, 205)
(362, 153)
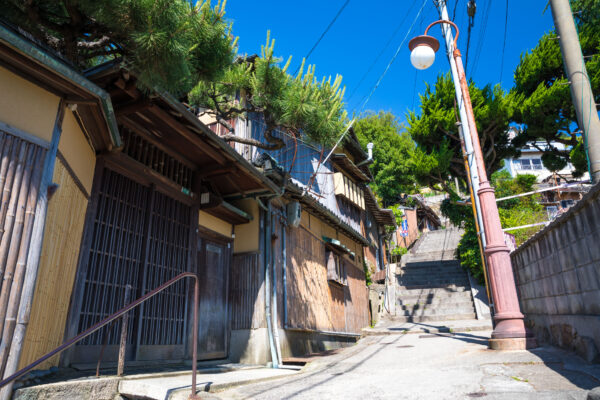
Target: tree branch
(253, 142)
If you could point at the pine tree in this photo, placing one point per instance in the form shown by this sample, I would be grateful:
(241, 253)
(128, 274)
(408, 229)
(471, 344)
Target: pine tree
(546, 111)
(170, 44)
(300, 105)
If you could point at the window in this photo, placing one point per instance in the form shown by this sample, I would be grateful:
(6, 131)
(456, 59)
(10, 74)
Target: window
(537, 163)
(529, 164)
(336, 268)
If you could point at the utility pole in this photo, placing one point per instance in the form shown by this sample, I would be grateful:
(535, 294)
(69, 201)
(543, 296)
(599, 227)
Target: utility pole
(581, 90)
(509, 331)
(465, 134)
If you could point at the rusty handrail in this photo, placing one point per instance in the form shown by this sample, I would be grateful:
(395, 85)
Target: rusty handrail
(118, 314)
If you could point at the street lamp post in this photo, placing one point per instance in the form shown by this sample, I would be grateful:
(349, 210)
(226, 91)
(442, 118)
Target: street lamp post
(509, 331)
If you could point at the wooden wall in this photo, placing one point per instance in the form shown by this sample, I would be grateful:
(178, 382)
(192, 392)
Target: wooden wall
(246, 292)
(58, 264)
(312, 301)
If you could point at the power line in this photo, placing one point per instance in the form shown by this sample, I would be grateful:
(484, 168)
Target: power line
(482, 32)
(381, 52)
(323, 34)
(454, 11)
(393, 58)
(504, 42)
(471, 10)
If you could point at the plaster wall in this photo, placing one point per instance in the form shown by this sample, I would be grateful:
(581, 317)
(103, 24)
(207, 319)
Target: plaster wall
(214, 224)
(77, 151)
(26, 106)
(247, 235)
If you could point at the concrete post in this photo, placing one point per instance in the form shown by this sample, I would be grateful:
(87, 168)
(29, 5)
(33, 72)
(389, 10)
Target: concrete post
(581, 90)
(508, 316)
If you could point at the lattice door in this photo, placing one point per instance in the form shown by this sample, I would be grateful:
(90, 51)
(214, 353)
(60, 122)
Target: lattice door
(129, 246)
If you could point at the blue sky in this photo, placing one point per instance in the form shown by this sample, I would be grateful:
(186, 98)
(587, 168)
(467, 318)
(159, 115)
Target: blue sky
(364, 28)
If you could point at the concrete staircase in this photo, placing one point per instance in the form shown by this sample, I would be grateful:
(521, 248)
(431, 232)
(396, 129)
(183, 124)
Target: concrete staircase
(431, 284)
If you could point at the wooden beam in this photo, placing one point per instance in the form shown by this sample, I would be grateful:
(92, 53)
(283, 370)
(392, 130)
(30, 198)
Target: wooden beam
(132, 107)
(128, 87)
(168, 119)
(127, 166)
(216, 170)
(145, 133)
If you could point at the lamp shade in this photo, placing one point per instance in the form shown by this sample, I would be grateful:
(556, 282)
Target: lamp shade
(422, 57)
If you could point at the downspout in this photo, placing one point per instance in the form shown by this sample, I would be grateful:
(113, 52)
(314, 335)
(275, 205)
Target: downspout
(267, 263)
(284, 251)
(274, 314)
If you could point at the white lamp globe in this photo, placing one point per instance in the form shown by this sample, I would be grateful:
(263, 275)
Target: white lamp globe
(422, 57)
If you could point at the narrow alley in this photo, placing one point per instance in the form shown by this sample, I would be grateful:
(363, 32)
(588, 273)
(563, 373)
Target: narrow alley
(432, 366)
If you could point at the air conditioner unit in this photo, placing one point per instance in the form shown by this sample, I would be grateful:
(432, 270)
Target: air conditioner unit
(294, 212)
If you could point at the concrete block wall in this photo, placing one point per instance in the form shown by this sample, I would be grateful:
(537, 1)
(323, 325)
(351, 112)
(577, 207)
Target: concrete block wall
(557, 272)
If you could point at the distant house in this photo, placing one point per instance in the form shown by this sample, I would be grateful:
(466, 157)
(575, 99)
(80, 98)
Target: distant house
(557, 200)
(530, 161)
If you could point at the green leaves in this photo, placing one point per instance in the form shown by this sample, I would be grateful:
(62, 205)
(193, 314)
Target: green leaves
(546, 111)
(170, 44)
(391, 153)
(438, 156)
(299, 104)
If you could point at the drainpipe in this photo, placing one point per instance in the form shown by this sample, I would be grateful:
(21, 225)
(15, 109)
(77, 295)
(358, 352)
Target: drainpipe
(267, 263)
(370, 159)
(284, 251)
(274, 314)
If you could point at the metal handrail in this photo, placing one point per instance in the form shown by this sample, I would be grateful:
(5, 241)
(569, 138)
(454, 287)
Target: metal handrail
(118, 314)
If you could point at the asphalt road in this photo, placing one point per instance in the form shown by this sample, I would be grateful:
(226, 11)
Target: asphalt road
(437, 367)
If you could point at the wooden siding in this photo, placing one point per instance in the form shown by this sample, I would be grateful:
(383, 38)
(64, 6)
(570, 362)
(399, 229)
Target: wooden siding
(58, 264)
(246, 292)
(357, 300)
(313, 302)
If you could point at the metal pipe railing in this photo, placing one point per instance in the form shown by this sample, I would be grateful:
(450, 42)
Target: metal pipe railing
(118, 314)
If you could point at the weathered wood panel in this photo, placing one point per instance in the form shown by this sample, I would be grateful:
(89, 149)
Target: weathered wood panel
(213, 270)
(308, 293)
(58, 264)
(312, 301)
(246, 292)
(357, 300)
(21, 166)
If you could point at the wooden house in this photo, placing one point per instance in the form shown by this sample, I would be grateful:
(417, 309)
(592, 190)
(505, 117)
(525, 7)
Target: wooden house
(302, 288)
(137, 190)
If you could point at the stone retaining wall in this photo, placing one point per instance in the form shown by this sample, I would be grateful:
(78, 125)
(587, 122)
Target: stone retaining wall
(557, 272)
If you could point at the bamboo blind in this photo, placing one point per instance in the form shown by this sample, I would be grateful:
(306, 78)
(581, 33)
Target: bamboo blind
(58, 264)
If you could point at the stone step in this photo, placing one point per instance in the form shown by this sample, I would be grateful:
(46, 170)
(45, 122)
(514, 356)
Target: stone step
(435, 278)
(410, 283)
(404, 293)
(451, 317)
(436, 312)
(449, 287)
(431, 263)
(445, 304)
(434, 300)
(461, 280)
(430, 270)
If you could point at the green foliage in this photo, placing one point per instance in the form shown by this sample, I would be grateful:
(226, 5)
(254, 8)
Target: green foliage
(399, 251)
(171, 44)
(391, 154)
(546, 111)
(438, 156)
(513, 212)
(298, 104)
(468, 250)
(368, 278)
